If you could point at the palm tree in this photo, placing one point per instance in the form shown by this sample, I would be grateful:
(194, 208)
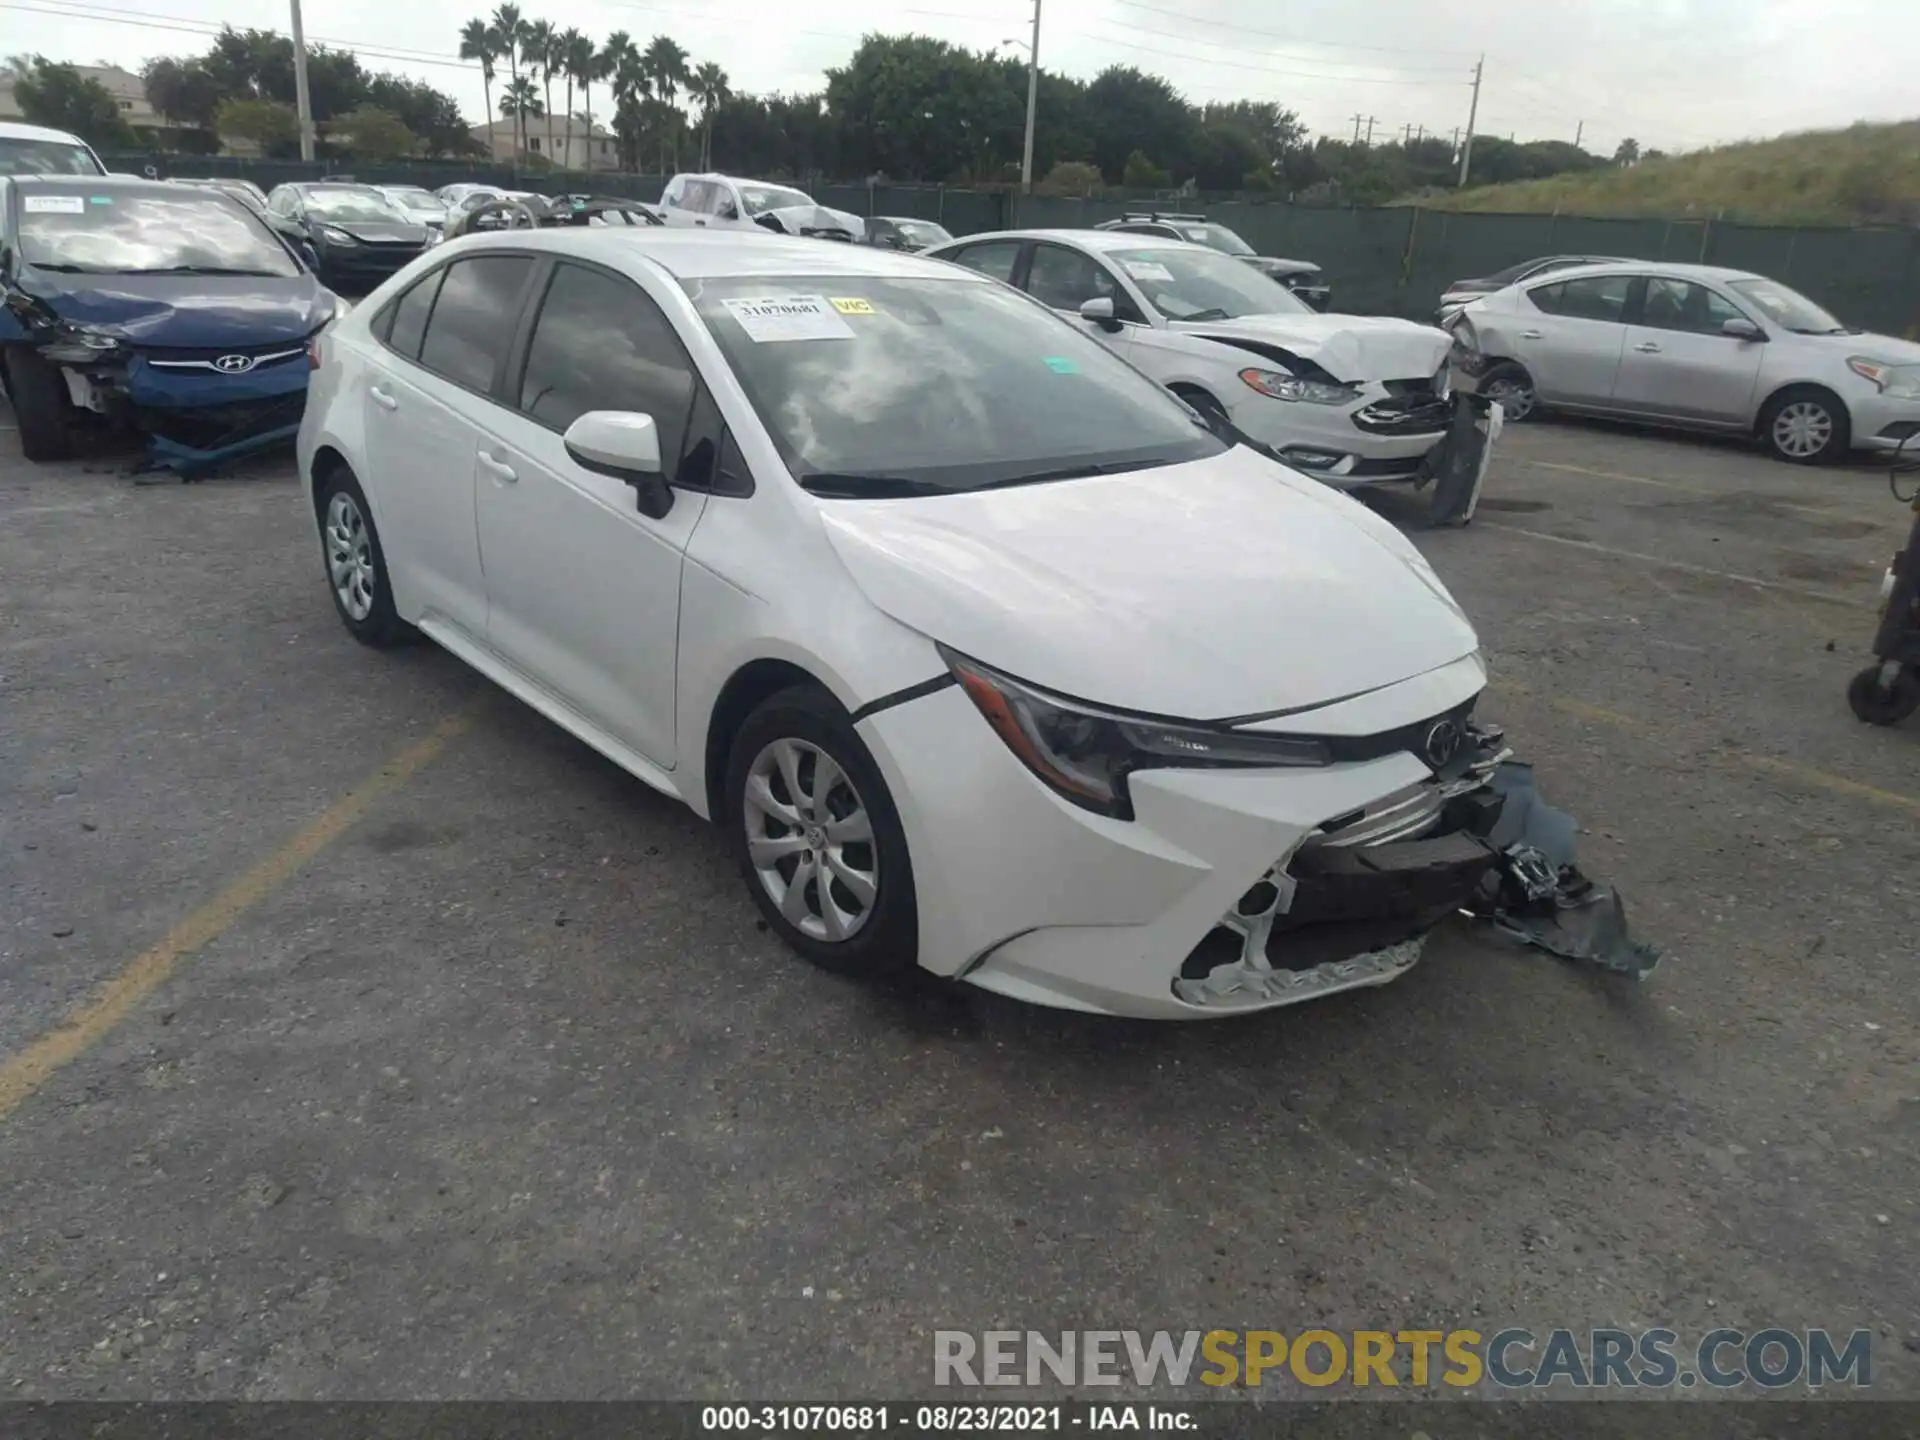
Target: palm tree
(666, 66)
(620, 65)
(567, 55)
(709, 86)
(477, 43)
(520, 100)
(508, 31)
(537, 50)
(592, 67)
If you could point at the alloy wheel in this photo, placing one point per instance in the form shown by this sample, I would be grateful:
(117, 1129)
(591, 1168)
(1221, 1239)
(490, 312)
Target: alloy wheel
(1802, 429)
(350, 556)
(1515, 397)
(810, 840)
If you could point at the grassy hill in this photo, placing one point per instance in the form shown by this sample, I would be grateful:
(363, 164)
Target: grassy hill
(1863, 175)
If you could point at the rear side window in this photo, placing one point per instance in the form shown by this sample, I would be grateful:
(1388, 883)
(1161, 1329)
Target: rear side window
(994, 258)
(1600, 297)
(601, 343)
(473, 317)
(407, 320)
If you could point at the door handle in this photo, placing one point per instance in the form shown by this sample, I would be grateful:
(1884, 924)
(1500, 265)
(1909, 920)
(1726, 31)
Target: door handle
(1647, 347)
(382, 398)
(1529, 334)
(499, 469)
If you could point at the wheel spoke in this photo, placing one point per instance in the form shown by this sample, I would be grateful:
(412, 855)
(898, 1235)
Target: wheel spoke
(859, 884)
(787, 756)
(759, 794)
(793, 904)
(826, 775)
(850, 829)
(763, 850)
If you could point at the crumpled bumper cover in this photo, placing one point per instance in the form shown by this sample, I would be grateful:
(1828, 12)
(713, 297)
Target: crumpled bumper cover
(196, 419)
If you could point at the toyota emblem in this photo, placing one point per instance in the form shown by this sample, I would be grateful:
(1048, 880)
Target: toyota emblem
(1442, 743)
(233, 364)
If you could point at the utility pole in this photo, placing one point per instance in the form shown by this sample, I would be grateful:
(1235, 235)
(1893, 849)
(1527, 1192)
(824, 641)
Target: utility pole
(1033, 99)
(1356, 128)
(1578, 131)
(1473, 114)
(303, 98)
(1370, 120)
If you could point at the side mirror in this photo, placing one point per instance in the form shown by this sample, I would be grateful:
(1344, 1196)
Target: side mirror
(310, 255)
(766, 220)
(1741, 329)
(1099, 311)
(625, 445)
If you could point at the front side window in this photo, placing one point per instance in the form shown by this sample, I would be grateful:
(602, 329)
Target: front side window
(1682, 305)
(601, 343)
(897, 385)
(994, 257)
(47, 157)
(1064, 279)
(1191, 284)
(761, 198)
(154, 233)
(472, 317)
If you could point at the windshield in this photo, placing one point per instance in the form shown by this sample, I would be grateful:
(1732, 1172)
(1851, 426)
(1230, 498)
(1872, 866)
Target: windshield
(144, 234)
(888, 386)
(761, 198)
(923, 232)
(1215, 237)
(351, 205)
(47, 157)
(416, 199)
(1789, 309)
(1187, 284)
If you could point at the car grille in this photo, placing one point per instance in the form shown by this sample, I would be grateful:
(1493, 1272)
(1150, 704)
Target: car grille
(278, 352)
(1412, 407)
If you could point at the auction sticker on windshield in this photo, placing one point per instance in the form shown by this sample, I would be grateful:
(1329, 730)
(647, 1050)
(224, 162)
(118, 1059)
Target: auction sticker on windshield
(54, 205)
(768, 318)
(852, 305)
(1148, 270)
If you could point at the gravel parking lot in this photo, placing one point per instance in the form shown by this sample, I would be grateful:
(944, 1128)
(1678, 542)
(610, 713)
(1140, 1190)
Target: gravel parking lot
(361, 1034)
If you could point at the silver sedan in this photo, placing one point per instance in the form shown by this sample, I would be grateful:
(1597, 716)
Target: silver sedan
(1694, 346)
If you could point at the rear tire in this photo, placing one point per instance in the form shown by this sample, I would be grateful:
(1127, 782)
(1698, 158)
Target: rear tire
(355, 564)
(1806, 426)
(818, 840)
(41, 404)
(1511, 385)
(1879, 704)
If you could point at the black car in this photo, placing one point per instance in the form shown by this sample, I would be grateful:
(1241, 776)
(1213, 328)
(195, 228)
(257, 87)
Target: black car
(903, 232)
(1461, 292)
(359, 237)
(1302, 277)
(245, 191)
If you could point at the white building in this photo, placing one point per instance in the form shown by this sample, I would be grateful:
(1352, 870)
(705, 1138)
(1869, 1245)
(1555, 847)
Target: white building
(573, 147)
(126, 88)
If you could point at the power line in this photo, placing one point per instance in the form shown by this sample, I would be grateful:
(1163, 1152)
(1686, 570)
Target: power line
(1162, 50)
(1310, 59)
(187, 26)
(1281, 34)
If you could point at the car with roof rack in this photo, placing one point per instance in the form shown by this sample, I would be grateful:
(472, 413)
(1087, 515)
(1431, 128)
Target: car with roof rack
(1302, 277)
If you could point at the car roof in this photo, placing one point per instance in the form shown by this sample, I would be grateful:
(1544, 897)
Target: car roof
(1674, 269)
(112, 184)
(17, 130)
(1098, 240)
(719, 254)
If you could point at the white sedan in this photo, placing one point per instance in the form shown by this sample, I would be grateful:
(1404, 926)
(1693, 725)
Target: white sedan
(1352, 399)
(985, 656)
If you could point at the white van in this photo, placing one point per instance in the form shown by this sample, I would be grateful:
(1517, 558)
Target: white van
(36, 150)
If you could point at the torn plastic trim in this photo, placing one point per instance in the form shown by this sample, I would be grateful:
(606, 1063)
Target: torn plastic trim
(1297, 366)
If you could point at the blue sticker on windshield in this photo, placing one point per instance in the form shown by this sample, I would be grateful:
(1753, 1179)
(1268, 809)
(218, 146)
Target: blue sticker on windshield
(1061, 365)
(100, 200)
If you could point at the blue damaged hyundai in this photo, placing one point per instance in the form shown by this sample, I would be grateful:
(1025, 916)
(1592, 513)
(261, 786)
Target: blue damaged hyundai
(167, 309)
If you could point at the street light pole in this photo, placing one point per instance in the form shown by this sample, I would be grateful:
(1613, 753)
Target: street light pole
(1033, 97)
(303, 98)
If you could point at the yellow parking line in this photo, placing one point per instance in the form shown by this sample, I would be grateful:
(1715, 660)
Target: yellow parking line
(1661, 561)
(1787, 769)
(24, 1073)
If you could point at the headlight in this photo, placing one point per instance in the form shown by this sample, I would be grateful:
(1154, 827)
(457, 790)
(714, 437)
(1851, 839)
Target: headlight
(1902, 382)
(334, 235)
(1085, 754)
(1291, 387)
(79, 345)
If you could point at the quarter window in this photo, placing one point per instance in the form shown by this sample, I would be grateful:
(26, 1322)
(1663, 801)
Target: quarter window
(601, 343)
(407, 320)
(473, 316)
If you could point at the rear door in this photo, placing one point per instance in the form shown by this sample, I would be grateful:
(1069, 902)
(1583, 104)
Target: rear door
(1679, 365)
(583, 590)
(1570, 334)
(440, 345)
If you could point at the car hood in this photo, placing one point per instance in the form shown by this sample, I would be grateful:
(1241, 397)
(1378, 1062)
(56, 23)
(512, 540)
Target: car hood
(1276, 265)
(1348, 347)
(188, 311)
(374, 232)
(1226, 587)
(1875, 347)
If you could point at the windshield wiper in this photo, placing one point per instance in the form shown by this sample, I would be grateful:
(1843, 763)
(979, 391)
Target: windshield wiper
(835, 486)
(201, 270)
(66, 269)
(1069, 472)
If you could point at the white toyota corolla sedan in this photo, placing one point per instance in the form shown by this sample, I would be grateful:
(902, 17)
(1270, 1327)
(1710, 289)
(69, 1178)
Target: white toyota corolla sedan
(982, 652)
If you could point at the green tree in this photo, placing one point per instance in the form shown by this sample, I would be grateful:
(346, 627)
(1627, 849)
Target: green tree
(1627, 152)
(184, 91)
(372, 133)
(1130, 111)
(666, 67)
(477, 43)
(585, 64)
(710, 87)
(1140, 173)
(267, 123)
(537, 49)
(59, 96)
(565, 53)
(509, 31)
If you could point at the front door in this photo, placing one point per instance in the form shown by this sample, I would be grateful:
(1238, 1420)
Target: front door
(583, 590)
(1679, 364)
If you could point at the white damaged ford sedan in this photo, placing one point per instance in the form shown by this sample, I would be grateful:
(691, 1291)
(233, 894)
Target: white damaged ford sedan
(984, 655)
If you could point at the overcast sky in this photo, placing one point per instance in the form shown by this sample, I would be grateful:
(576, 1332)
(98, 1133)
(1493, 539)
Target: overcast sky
(1672, 73)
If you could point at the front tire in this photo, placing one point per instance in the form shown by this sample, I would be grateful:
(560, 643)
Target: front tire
(1512, 387)
(41, 405)
(356, 566)
(1807, 426)
(817, 837)
(1878, 703)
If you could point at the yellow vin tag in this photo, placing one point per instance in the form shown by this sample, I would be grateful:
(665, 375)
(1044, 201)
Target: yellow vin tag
(852, 305)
